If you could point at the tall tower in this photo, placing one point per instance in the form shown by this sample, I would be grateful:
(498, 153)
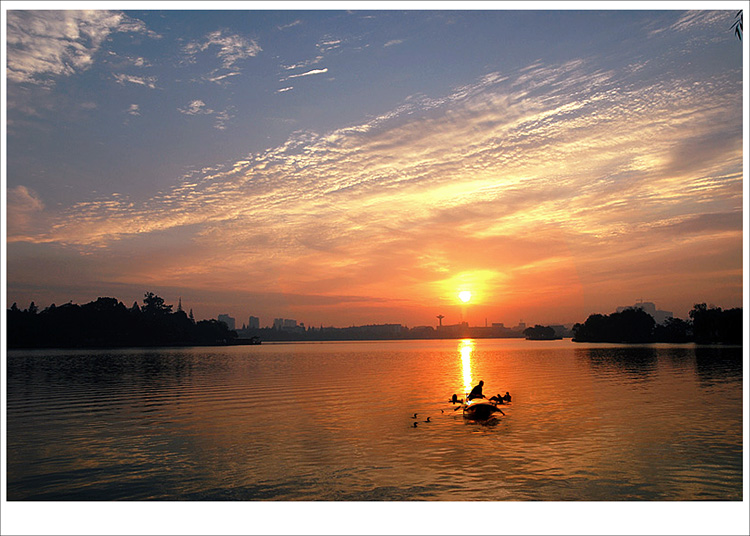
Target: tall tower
(440, 319)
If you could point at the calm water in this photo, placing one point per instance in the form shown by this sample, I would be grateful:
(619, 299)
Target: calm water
(333, 421)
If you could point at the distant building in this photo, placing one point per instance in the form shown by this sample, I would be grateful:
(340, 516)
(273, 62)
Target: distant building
(659, 316)
(287, 324)
(228, 320)
(520, 327)
(253, 323)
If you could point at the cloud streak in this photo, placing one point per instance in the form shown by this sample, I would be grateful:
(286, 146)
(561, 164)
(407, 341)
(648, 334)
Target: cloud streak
(308, 73)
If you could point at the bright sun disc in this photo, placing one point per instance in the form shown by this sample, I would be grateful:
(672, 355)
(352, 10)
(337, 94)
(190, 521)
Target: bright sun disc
(464, 296)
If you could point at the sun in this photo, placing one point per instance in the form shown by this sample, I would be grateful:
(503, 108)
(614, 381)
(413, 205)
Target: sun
(464, 296)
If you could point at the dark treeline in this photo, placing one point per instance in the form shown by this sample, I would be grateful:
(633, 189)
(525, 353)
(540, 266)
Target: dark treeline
(707, 325)
(541, 333)
(107, 322)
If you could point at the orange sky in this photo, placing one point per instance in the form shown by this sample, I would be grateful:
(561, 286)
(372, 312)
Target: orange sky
(552, 190)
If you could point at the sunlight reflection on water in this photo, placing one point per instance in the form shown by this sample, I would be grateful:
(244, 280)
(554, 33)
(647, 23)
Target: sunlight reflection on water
(335, 421)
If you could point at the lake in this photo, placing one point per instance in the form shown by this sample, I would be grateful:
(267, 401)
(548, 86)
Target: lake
(334, 422)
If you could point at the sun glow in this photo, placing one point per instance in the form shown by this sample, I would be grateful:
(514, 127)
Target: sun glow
(464, 296)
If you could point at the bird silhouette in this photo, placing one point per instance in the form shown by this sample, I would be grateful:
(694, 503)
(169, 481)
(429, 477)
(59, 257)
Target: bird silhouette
(428, 419)
(414, 416)
(415, 424)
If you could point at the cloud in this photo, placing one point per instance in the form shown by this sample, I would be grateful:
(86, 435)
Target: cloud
(196, 107)
(301, 65)
(308, 73)
(222, 77)
(230, 48)
(290, 25)
(134, 109)
(328, 45)
(547, 174)
(147, 81)
(24, 205)
(43, 45)
(222, 118)
(284, 89)
(689, 20)
(393, 42)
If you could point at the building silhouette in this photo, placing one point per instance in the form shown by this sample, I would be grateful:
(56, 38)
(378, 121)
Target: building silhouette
(659, 316)
(287, 324)
(228, 320)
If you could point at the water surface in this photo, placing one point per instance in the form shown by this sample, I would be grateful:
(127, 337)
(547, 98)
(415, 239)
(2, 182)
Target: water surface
(333, 421)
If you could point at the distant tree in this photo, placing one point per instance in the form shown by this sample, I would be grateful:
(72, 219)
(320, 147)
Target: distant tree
(633, 325)
(191, 317)
(214, 332)
(673, 330)
(33, 309)
(14, 307)
(712, 325)
(155, 304)
(539, 332)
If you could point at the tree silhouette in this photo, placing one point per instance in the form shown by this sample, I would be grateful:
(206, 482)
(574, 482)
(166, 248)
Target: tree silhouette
(107, 322)
(737, 25)
(155, 304)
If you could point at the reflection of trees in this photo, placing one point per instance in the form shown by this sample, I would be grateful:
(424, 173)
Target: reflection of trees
(101, 369)
(107, 322)
(637, 361)
(717, 363)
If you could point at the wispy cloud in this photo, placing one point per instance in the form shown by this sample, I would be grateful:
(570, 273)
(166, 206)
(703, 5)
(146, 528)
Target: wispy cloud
(308, 73)
(43, 45)
(196, 107)
(285, 89)
(24, 207)
(329, 44)
(147, 81)
(303, 64)
(229, 48)
(393, 42)
(545, 174)
(134, 110)
(290, 25)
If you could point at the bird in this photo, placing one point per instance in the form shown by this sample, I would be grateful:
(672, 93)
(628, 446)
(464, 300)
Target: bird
(428, 419)
(441, 411)
(414, 416)
(415, 424)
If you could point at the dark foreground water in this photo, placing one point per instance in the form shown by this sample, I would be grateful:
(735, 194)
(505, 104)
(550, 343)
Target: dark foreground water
(333, 421)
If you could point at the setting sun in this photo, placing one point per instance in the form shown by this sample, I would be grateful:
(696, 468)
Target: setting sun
(464, 296)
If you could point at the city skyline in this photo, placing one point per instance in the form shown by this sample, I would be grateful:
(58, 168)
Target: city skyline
(364, 167)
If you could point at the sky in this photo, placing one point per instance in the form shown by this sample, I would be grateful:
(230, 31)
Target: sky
(350, 167)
